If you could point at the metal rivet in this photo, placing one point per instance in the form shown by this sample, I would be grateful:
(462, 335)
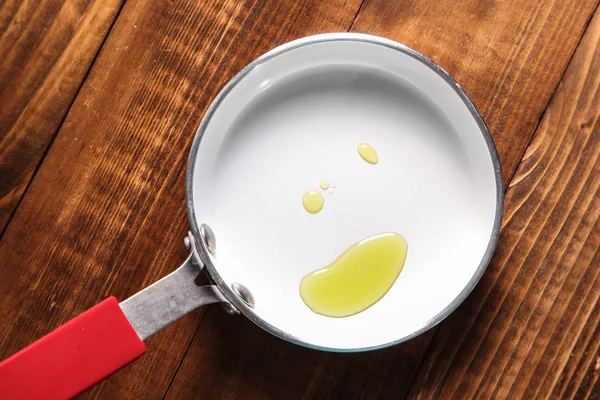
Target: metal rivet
(229, 309)
(243, 293)
(208, 238)
(187, 243)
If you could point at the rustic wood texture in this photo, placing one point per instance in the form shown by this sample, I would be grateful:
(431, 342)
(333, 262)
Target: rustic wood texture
(104, 214)
(531, 327)
(46, 49)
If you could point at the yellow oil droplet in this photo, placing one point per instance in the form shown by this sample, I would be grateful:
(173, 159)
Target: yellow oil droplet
(313, 201)
(368, 153)
(331, 191)
(324, 185)
(359, 278)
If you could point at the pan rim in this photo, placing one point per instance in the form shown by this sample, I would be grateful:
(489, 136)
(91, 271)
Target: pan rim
(375, 40)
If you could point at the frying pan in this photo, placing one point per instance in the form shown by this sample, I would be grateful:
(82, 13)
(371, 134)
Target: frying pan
(290, 119)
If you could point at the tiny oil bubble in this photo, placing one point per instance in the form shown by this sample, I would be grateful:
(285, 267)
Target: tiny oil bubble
(313, 201)
(324, 185)
(368, 153)
(330, 191)
(358, 278)
(333, 186)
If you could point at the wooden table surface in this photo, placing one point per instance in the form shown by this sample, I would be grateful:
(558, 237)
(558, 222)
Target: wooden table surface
(99, 101)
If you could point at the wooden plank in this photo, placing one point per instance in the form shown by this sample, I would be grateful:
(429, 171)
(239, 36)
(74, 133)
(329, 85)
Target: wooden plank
(531, 327)
(105, 213)
(510, 57)
(46, 49)
(114, 175)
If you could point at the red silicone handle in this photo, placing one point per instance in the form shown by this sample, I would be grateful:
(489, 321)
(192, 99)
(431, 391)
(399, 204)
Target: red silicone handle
(74, 357)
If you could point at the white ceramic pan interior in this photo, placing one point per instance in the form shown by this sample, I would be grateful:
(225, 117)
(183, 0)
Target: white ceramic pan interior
(294, 117)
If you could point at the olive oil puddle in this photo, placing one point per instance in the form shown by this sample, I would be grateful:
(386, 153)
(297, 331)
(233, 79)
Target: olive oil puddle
(359, 278)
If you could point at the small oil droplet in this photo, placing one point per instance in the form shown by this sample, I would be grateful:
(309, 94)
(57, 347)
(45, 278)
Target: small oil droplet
(333, 186)
(330, 191)
(368, 153)
(359, 278)
(324, 185)
(313, 201)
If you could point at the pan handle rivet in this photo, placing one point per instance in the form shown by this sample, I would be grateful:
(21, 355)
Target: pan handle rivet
(229, 309)
(208, 237)
(243, 293)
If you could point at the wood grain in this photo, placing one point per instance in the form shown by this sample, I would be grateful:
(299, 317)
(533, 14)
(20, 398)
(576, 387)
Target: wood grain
(46, 49)
(510, 59)
(531, 327)
(105, 213)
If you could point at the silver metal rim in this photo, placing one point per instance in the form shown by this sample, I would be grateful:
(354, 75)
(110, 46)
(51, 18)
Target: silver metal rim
(333, 37)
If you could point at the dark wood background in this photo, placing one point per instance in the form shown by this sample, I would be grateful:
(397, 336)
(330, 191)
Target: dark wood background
(99, 100)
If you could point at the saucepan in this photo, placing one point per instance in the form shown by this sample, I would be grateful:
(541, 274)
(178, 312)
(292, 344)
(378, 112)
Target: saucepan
(293, 118)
